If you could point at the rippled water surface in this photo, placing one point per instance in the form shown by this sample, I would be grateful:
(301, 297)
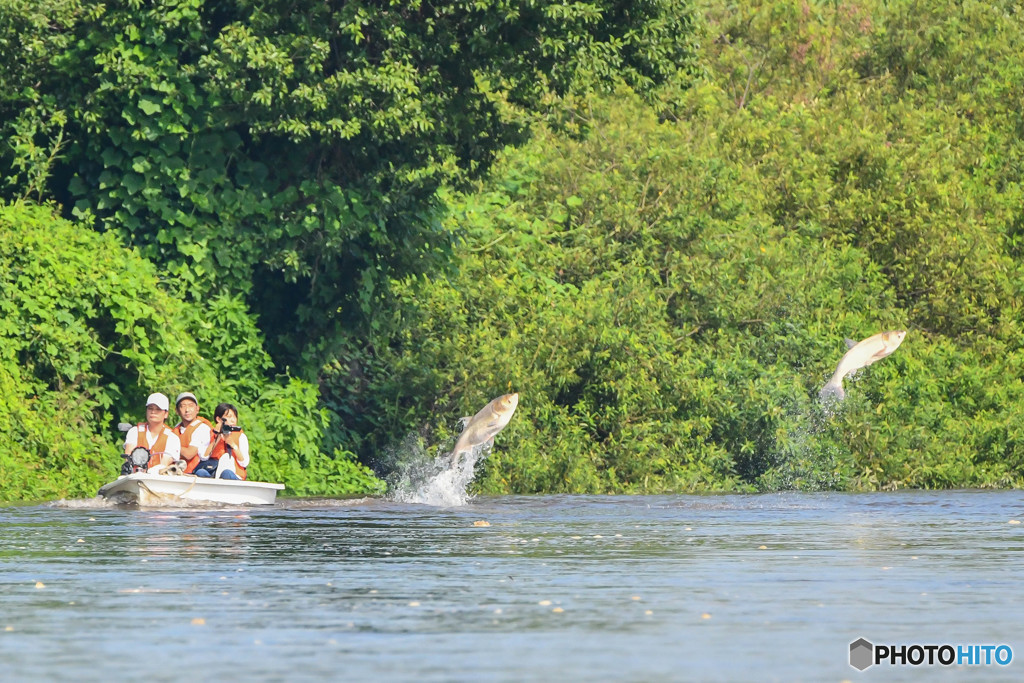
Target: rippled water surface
(657, 588)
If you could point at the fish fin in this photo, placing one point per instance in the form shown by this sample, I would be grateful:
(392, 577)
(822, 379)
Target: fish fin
(849, 343)
(883, 352)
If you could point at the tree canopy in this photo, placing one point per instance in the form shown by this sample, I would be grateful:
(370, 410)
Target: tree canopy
(292, 151)
(669, 292)
(362, 220)
(256, 176)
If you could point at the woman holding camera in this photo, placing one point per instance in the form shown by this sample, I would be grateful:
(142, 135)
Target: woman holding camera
(227, 456)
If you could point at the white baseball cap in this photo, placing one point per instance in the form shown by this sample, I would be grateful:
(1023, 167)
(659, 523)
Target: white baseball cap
(158, 400)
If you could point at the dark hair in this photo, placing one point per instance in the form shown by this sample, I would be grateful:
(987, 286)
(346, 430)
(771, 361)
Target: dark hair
(223, 408)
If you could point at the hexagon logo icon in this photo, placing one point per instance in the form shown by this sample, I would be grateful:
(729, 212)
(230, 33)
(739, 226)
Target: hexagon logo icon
(862, 654)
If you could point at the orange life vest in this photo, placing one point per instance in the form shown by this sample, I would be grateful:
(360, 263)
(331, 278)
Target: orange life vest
(220, 448)
(158, 448)
(185, 434)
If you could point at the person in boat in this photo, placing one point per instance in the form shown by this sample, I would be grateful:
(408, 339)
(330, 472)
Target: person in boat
(194, 431)
(227, 456)
(154, 435)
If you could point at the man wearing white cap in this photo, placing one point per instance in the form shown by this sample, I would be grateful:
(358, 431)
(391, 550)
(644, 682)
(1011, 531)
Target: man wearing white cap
(153, 434)
(193, 430)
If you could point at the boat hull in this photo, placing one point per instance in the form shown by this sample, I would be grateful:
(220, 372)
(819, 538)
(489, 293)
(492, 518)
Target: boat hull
(168, 489)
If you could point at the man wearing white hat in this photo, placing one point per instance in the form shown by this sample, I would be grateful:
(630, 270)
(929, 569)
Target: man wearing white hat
(153, 434)
(193, 431)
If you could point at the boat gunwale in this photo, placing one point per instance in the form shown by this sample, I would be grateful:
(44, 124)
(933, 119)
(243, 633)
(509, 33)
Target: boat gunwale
(136, 486)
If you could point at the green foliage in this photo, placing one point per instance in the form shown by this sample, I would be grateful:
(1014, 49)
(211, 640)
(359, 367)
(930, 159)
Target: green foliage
(31, 121)
(670, 291)
(665, 272)
(861, 119)
(277, 165)
(81, 313)
(292, 152)
(289, 426)
(232, 345)
(47, 448)
(86, 334)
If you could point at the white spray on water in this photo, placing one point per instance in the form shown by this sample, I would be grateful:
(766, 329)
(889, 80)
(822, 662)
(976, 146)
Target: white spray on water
(420, 478)
(805, 457)
(443, 480)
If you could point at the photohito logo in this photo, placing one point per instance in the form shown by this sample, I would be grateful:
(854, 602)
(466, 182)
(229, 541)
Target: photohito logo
(863, 654)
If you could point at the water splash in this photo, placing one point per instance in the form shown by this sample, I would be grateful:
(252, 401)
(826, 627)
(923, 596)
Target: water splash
(831, 404)
(806, 456)
(83, 503)
(431, 479)
(804, 459)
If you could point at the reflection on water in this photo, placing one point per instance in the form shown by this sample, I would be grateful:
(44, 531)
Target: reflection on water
(769, 587)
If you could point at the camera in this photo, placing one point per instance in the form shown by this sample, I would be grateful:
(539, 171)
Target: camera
(227, 429)
(137, 460)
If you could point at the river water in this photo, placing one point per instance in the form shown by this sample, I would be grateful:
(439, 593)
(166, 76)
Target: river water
(588, 588)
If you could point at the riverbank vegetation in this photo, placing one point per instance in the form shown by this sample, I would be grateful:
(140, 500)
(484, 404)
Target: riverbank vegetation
(657, 223)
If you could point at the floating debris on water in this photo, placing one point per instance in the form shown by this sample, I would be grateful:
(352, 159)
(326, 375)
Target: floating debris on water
(199, 621)
(481, 522)
(40, 584)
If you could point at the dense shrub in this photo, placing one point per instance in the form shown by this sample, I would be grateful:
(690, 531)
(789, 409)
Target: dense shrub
(670, 291)
(86, 333)
(666, 277)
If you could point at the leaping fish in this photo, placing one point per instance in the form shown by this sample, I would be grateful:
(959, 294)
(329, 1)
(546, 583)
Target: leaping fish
(860, 355)
(485, 425)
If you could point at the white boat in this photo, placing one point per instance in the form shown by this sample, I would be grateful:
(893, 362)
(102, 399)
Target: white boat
(171, 489)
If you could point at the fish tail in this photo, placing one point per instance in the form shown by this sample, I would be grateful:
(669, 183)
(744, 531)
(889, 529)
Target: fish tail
(832, 390)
